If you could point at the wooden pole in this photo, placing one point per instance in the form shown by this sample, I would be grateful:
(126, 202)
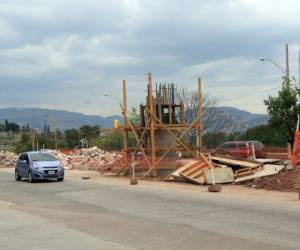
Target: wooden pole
(125, 133)
(152, 131)
(199, 132)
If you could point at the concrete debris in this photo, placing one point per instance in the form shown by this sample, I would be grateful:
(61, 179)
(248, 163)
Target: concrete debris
(222, 175)
(7, 159)
(90, 158)
(226, 170)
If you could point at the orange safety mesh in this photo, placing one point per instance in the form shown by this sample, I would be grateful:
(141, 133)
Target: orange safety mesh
(296, 150)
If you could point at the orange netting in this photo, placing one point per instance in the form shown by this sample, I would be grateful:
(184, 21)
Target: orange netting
(296, 150)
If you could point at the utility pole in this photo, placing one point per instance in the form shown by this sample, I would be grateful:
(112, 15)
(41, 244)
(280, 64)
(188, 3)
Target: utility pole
(125, 135)
(287, 61)
(33, 129)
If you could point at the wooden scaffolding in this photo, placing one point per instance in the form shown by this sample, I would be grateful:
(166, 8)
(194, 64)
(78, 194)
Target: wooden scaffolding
(162, 128)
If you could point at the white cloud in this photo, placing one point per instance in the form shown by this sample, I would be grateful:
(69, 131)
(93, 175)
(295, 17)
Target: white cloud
(73, 52)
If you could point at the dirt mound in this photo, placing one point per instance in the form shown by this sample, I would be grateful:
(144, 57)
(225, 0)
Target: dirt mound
(287, 180)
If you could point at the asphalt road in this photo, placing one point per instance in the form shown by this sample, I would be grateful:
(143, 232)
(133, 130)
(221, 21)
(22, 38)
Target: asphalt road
(79, 214)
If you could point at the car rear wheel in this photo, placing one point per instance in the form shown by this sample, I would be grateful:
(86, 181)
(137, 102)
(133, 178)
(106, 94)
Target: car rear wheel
(30, 179)
(17, 177)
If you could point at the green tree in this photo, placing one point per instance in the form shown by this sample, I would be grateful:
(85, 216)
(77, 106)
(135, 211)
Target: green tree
(134, 116)
(284, 110)
(89, 132)
(72, 137)
(24, 144)
(268, 135)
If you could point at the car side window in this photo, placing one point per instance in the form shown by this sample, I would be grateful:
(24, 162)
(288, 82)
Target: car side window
(242, 145)
(21, 158)
(224, 146)
(26, 158)
(230, 145)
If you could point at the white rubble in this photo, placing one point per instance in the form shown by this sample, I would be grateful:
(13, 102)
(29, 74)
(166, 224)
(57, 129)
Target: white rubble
(7, 159)
(91, 158)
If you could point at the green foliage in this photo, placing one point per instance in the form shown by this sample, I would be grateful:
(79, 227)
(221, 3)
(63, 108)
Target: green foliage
(215, 139)
(24, 144)
(134, 116)
(11, 126)
(89, 132)
(72, 137)
(284, 110)
(267, 134)
(110, 141)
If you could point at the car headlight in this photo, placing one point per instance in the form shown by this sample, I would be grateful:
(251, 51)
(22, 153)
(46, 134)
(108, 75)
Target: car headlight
(35, 166)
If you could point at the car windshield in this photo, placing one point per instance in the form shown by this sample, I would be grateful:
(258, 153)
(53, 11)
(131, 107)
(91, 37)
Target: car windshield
(42, 157)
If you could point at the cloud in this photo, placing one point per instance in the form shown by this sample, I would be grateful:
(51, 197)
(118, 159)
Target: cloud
(68, 54)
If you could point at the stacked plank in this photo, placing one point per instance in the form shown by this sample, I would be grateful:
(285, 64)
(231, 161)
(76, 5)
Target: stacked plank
(200, 172)
(219, 169)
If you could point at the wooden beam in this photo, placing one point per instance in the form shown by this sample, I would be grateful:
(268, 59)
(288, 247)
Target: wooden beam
(152, 130)
(181, 112)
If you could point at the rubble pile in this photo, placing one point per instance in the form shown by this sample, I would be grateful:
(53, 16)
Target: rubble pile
(7, 159)
(91, 158)
(288, 180)
(220, 169)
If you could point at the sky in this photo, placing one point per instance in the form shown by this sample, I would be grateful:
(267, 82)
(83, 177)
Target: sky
(68, 54)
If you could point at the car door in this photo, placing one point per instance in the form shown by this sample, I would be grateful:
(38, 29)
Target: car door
(20, 165)
(26, 165)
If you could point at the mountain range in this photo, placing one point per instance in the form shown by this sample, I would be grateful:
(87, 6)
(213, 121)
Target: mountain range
(66, 119)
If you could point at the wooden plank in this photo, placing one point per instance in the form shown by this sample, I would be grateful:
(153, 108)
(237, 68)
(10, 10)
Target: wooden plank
(235, 162)
(267, 170)
(194, 173)
(245, 171)
(266, 161)
(185, 166)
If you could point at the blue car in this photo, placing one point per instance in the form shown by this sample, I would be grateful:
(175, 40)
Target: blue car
(38, 166)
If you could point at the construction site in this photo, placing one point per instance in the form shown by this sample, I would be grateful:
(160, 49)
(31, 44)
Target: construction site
(162, 152)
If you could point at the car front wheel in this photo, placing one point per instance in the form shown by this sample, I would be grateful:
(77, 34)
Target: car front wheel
(30, 179)
(17, 177)
(60, 179)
